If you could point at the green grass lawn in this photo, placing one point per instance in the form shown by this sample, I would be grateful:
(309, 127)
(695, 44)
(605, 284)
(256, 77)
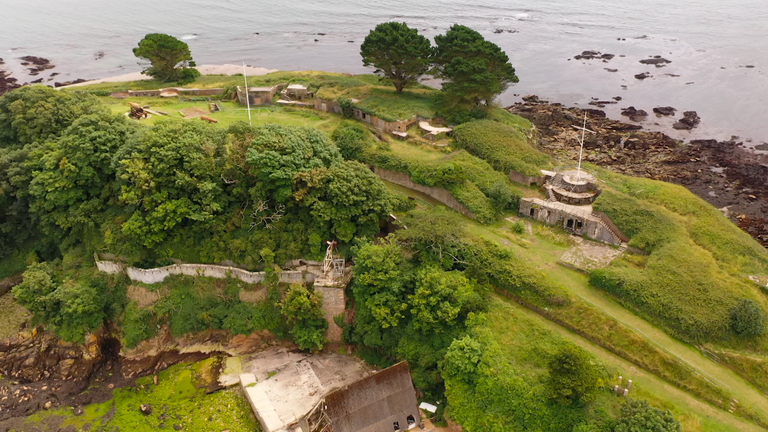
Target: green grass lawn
(374, 96)
(231, 112)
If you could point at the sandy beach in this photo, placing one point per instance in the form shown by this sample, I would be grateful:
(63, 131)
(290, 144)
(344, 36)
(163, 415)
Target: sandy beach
(224, 69)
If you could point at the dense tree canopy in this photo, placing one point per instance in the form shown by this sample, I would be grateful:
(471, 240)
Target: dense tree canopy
(440, 298)
(170, 58)
(399, 53)
(172, 175)
(348, 196)
(73, 177)
(278, 153)
(473, 69)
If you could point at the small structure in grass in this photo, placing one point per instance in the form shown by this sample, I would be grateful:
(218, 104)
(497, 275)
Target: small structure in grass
(434, 133)
(137, 111)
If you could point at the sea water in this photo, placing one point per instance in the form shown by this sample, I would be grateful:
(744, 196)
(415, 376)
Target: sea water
(710, 44)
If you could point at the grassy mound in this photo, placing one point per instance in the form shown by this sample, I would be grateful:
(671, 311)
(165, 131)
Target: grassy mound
(504, 146)
(694, 273)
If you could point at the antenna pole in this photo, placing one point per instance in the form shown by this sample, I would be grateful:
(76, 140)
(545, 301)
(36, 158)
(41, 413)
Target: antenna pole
(581, 149)
(248, 100)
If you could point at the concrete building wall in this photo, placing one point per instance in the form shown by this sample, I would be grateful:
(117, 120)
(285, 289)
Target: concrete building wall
(181, 91)
(440, 194)
(579, 224)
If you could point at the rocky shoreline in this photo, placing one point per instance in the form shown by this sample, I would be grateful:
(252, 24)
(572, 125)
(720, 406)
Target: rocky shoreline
(726, 174)
(38, 371)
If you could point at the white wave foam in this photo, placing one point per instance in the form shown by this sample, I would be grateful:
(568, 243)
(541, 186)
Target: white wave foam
(189, 36)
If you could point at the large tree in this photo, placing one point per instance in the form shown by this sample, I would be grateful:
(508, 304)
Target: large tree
(72, 183)
(169, 58)
(399, 53)
(573, 376)
(278, 153)
(348, 197)
(473, 69)
(172, 177)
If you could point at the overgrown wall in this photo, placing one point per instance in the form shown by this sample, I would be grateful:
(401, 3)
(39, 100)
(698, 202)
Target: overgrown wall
(440, 194)
(157, 275)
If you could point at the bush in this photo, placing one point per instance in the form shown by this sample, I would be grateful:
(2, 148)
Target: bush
(747, 319)
(572, 376)
(138, 325)
(352, 139)
(303, 312)
(639, 415)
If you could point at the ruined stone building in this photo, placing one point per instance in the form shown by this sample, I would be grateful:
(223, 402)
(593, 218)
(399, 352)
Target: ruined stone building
(570, 195)
(382, 402)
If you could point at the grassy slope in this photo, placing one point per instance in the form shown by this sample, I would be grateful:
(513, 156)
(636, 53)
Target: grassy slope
(527, 338)
(504, 146)
(179, 397)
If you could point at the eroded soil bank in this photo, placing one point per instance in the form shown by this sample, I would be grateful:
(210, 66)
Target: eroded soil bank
(726, 174)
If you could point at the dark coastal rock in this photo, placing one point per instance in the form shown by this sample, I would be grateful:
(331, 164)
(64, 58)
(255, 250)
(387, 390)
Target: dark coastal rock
(588, 55)
(66, 83)
(601, 103)
(634, 114)
(533, 99)
(498, 30)
(607, 56)
(763, 146)
(642, 76)
(689, 121)
(37, 81)
(656, 60)
(1, 61)
(611, 70)
(617, 98)
(664, 111)
(99, 55)
(39, 64)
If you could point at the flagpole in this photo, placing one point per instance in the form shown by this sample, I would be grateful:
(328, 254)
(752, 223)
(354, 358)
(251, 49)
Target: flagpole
(581, 149)
(248, 100)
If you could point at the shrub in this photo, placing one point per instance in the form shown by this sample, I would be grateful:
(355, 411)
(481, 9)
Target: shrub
(572, 376)
(639, 415)
(302, 311)
(747, 319)
(138, 325)
(352, 139)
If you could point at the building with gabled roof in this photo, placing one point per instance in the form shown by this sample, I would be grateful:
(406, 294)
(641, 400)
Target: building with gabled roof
(382, 402)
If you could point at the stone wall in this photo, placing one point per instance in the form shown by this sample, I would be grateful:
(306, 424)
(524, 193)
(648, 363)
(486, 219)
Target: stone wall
(440, 194)
(332, 106)
(157, 275)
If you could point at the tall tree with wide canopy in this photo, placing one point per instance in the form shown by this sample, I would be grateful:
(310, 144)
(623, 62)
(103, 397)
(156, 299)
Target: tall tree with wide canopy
(399, 53)
(172, 175)
(72, 183)
(473, 68)
(170, 58)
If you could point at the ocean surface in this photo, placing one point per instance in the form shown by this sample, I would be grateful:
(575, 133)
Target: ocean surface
(718, 48)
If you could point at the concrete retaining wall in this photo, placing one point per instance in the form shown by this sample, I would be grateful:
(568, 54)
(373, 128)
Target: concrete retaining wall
(181, 91)
(332, 106)
(157, 275)
(440, 194)
(526, 180)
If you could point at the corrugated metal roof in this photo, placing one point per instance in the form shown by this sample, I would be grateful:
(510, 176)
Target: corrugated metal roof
(374, 402)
